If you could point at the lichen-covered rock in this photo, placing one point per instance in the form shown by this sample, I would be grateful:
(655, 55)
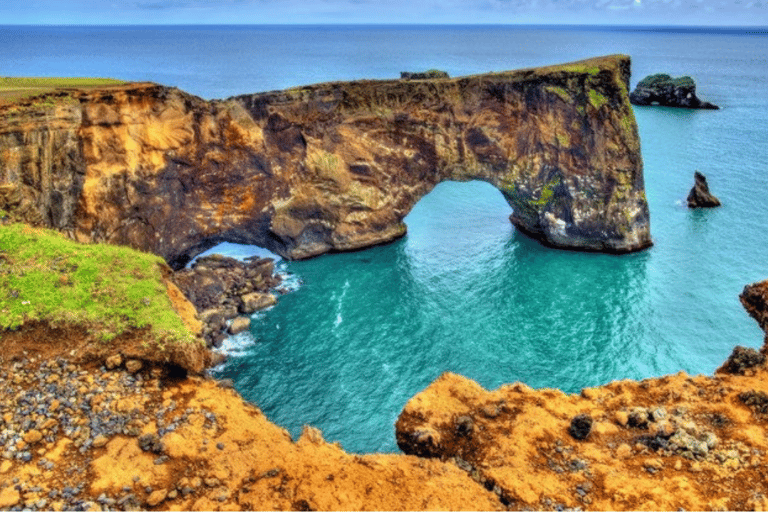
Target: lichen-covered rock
(331, 167)
(700, 196)
(665, 91)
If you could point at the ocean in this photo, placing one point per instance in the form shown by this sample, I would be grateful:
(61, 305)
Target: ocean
(463, 291)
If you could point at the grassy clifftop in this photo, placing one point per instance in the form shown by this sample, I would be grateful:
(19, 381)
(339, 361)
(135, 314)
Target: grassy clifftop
(17, 88)
(109, 289)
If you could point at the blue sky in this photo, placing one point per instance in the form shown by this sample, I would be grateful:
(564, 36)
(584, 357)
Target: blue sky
(652, 12)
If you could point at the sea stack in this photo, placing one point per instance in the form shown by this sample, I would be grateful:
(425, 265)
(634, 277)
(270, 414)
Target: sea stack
(665, 91)
(700, 196)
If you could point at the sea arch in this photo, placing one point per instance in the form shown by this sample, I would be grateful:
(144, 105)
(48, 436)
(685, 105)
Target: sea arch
(560, 143)
(335, 166)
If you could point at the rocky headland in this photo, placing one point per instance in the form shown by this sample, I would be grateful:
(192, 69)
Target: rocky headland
(328, 167)
(665, 91)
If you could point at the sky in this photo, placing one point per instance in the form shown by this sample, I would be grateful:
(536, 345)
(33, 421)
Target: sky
(611, 12)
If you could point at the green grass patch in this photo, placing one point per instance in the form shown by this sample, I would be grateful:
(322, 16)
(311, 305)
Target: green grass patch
(561, 92)
(110, 289)
(596, 99)
(14, 88)
(664, 80)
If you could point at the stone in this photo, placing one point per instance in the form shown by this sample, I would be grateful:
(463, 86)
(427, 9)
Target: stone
(156, 497)
(113, 361)
(9, 497)
(423, 75)
(256, 301)
(151, 443)
(239, 324)
(33, 436)
(699, 196)
(218, 358)
(663, 90)
(581, 426)
(133, 365)
(100, 441)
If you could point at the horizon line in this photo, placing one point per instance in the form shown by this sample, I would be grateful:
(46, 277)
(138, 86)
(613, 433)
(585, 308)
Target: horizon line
(367, 24)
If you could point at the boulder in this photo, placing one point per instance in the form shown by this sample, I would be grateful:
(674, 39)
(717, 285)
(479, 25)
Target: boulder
(699, 196)
(239, 324)
(665, 91)
(256, 301)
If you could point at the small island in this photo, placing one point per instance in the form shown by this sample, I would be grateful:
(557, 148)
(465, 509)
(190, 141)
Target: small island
(665, 91)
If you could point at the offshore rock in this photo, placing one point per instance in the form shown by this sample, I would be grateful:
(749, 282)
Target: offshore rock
(665, 91)
(700, 196)
(329, 167)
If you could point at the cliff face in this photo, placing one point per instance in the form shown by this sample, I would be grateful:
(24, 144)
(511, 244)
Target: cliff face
(332, 166)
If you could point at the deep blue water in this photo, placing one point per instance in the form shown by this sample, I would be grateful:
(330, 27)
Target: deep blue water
(463, 291)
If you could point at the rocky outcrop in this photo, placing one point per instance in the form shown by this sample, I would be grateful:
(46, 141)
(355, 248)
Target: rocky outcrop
(754, 298)
(665, 91)
(329, 167)
(223, 288)
(700, 196)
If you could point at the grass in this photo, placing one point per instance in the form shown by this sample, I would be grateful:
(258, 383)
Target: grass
(109, 289)
(17, 88)
(661, 80)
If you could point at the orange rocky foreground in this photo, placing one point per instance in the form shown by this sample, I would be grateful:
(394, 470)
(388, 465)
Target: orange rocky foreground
(82, 436)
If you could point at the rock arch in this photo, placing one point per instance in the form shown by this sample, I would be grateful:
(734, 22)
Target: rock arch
(337, 166)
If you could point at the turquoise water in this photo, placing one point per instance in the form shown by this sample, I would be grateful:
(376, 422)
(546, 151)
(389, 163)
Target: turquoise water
(463, 291)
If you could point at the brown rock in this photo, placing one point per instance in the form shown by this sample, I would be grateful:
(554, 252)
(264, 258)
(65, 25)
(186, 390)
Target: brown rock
(100, 441)
(113, 361)
(9, 497)
(256, 301)
(156, 497)
(239, 324)
(32, 437)
(133, 365)
(336, 167)
(700, 196)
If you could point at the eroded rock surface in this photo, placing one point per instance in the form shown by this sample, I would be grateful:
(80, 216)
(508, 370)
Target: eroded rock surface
(330, 167)
(665, 91)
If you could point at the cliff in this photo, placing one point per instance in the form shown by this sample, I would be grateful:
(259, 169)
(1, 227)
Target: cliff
(328, 167)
